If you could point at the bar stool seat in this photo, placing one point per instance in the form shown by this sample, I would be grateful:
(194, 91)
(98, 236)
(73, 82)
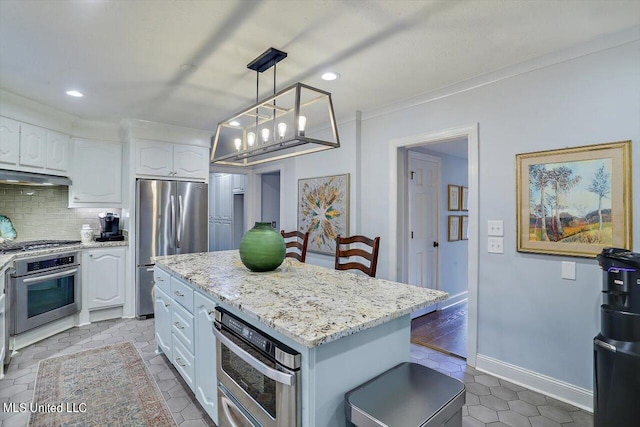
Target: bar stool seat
(407, 395)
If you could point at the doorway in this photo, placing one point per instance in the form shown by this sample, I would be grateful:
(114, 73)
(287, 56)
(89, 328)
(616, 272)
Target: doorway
(226, 210)
(451, 267)
(270, 199)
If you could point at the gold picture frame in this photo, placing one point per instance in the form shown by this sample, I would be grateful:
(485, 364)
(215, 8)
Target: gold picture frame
(464, 199)
(453, 228)
(574, 201)
(453, 197)
(323, 211)
(464, 227)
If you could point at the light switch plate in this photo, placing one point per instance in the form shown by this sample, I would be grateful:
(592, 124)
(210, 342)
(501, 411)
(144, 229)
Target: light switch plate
(568, 270)
(496, 228)
(495, 245)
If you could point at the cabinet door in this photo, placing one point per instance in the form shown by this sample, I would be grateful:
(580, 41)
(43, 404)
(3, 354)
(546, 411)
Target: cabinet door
(9, 141)
(3, 320)
(57, 151)
(205, 356)
(97, 176)
(163, 306)
(238, 183)
(190, 161)
(32, 146)
(222, 197)
(105, 274)
(222, 235)
(154, 158)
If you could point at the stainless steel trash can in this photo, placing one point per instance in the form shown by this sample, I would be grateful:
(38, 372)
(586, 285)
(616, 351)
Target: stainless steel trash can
(407, 395)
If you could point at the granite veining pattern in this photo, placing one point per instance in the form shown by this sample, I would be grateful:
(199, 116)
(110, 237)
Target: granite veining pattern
(6, 259)
(310, 304)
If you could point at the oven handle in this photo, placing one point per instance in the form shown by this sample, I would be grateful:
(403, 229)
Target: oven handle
(50, 276)
(274, 374)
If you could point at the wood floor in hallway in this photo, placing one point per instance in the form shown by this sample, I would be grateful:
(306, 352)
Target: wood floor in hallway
(443, 330)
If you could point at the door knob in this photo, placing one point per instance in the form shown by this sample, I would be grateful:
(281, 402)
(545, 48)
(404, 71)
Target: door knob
(436, 244)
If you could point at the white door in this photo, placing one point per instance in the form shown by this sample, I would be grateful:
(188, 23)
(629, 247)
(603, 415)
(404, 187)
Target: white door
(32, 146)
(97, 177)
(424, 182)
(205, 355)
(190, 161)
(9, 141)
(154, 158)
(57, 151)
(105, 277)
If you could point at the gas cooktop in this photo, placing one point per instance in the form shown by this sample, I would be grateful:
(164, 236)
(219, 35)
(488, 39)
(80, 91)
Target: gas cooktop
(8, 247)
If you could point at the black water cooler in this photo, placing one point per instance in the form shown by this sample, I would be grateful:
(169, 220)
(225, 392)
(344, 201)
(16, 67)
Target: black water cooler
(616, 349)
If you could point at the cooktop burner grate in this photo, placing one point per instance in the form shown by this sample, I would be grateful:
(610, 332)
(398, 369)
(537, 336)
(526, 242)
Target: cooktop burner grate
(34, 245)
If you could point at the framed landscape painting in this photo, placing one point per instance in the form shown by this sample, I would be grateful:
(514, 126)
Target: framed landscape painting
(574, 201)
(323, 211)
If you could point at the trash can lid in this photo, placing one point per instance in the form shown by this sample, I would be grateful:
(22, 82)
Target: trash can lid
(408, 395)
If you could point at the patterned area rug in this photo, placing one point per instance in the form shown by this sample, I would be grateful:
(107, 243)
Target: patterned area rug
(106, 386)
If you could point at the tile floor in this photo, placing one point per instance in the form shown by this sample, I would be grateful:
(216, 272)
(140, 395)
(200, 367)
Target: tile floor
(490, 401)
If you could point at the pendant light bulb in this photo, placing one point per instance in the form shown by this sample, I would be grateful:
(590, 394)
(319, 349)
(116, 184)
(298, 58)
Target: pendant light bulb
(251, 139)
(238, 143)
(282, 129)
(302, 124)
(265, 135)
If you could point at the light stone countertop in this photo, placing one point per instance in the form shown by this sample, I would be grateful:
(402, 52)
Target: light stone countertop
(310, 304)
(6, 259)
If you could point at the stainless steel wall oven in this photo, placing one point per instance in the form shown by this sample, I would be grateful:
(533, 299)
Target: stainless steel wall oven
(258, 376)
(43, 289)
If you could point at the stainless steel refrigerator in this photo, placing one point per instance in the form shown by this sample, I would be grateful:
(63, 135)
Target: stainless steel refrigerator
(171, 218)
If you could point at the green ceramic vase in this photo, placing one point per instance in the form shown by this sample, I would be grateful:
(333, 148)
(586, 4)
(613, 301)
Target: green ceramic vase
(262, 248)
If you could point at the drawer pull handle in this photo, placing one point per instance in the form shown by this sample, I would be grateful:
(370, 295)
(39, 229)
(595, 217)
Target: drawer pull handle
(178, 325)
(178, 293)
(210, 312)
(178, 360)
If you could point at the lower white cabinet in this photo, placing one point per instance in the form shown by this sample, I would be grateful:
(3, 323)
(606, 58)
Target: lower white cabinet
(183, 329)
(163, 306)
(205, 355)
(104, 277)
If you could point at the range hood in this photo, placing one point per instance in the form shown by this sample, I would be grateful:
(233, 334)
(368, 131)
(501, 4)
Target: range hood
(28, 178)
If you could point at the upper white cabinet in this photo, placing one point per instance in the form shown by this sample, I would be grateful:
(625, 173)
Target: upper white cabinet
(104, 277)
(97, 174)
(29, 148)
(9, 142)
(167, 160)
(57, 151)
(238, 183)
(32, 146)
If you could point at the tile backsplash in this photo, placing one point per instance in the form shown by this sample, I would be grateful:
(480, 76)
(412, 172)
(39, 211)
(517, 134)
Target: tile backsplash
(42, 212)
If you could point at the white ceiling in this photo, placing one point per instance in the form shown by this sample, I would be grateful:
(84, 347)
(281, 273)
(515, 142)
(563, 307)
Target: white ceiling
(126, 56)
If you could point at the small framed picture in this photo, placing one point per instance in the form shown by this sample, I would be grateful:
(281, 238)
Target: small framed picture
(453, 198)
(464, 198)
(464, 227)
(453, 228)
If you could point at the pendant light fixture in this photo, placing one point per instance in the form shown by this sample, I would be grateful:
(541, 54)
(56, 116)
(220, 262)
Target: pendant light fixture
(297, 120)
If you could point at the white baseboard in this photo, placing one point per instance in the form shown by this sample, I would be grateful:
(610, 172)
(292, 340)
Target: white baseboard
(560, 390)
(453, 300)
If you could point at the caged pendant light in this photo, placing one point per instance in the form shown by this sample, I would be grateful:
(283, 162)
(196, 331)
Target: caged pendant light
(297, 120)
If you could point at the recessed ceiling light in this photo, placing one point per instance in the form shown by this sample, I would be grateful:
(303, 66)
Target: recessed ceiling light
(330, 76)
(75, 93)
(234, 123)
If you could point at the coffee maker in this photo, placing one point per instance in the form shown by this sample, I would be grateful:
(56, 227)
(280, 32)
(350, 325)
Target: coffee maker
(616, 349)
(109, 227)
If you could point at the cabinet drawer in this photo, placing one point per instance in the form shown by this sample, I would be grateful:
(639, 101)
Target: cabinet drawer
(183, 362)
(162, 280)
(182, 326)
(182, 294)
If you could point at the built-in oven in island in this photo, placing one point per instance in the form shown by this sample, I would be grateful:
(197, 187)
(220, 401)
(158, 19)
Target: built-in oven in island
(258, 376)
(43, 289)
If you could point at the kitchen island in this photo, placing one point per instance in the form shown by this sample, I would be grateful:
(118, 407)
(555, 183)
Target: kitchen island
(348, 327)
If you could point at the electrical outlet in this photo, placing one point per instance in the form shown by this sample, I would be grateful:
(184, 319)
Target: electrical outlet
(496, 228)
(495, 245)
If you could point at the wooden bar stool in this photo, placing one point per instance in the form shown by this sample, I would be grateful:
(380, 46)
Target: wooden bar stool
(296, 242)
(369, 252)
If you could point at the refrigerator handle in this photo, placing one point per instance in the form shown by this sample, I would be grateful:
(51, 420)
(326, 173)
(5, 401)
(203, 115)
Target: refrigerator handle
(173, 219)
(180, 225)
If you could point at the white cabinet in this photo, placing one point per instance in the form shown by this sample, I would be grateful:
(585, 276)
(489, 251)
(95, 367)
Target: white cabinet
(32, 146)
(222, 197)
(57, 151)
(9, 142)
(3, 322)
(163, 306)
(97, 174)
(163, 159)
(205, 356)
(104, 277)
(238, 183)
(29, 148)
